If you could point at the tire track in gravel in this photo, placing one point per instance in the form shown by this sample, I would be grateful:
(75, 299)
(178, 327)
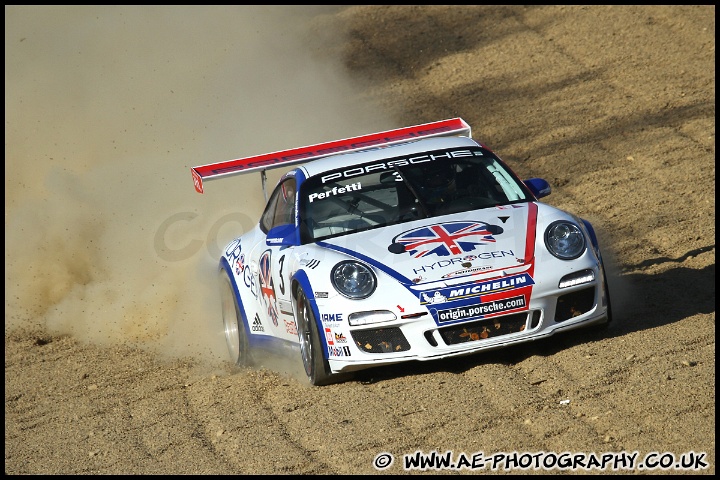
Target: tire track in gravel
(240, 424)
(534, 409)
(129, 410)
(328, 429)
(473, 410)
(619, 417)
(347, 425)
(667, 104)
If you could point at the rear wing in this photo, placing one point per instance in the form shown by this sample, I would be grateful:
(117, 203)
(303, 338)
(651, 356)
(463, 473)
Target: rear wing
(284, 158)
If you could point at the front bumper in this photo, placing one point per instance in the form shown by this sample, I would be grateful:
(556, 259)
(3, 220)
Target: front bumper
(422, 339)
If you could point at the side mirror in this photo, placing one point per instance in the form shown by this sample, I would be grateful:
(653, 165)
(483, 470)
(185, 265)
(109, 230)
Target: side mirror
(539, 187)
(284, 235)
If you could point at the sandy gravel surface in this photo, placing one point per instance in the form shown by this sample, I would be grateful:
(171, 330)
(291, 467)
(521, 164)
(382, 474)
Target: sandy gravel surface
(114, 356)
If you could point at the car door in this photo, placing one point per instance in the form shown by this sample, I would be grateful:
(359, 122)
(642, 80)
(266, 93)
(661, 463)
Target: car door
(270, 265)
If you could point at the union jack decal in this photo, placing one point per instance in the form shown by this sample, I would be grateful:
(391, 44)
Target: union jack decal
(444, 239)
(267, 287)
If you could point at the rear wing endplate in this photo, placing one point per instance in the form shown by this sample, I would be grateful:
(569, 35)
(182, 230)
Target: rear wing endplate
(284, 158)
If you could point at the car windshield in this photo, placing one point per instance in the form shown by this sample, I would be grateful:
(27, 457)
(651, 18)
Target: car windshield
(397, 190)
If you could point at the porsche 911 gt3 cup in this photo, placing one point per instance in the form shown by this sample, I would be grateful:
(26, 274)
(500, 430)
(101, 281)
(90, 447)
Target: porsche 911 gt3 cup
(411, 244)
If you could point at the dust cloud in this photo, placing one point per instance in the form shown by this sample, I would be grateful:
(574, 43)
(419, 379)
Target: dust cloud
(106, 110)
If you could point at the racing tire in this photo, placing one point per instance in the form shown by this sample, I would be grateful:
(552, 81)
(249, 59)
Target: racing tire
(316, 366)
(236, 336)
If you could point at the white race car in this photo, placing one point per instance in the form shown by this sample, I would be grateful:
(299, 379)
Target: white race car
(411, 244)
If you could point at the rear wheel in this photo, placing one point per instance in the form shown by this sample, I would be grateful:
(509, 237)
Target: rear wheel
(235, 333)
(316, 366)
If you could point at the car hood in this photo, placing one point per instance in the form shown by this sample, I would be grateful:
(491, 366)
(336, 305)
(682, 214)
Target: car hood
(447, 250)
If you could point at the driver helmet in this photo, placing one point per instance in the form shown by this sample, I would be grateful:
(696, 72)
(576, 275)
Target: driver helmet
(438, 183)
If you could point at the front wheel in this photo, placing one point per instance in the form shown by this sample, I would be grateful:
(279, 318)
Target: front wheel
(235, 333)
(316, 366)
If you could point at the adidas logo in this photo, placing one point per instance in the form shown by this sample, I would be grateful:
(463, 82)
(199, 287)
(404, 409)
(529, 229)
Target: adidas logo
(257, 325)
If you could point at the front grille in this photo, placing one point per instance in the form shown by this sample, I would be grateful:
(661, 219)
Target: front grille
(575, 303)
(484, 329)
(381, 340)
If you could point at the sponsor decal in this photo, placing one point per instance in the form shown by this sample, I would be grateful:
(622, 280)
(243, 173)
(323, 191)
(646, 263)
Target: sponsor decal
(257, 325)
(436, 298)
(329, 337)
(467, 271)
(457, 260)
(233, 249)
(290, 326)
(339, 351)
(331, 317)
(400, 162)
(445, 239)
(353, 187)
(469, 312)
(240, 264)
(267, 286)
(321, 294)
(477, 289)
(340, 338)
(249, 280)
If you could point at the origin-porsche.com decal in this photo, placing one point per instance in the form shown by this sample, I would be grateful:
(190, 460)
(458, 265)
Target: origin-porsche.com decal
(444, 239)
(480, 309)
(476, 289)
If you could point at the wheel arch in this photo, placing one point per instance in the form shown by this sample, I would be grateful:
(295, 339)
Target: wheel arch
(591, 232)
(301, 280)
(224, 266)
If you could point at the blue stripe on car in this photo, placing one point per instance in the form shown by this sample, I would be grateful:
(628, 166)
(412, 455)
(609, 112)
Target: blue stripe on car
(394, 274)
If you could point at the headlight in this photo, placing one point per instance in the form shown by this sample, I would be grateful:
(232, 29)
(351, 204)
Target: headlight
(353, 280)
(565, 240)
